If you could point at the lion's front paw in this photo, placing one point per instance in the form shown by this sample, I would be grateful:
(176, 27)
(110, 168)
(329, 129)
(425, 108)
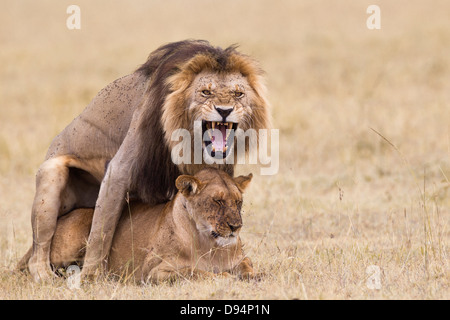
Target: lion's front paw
(41, 272)
(92, 273)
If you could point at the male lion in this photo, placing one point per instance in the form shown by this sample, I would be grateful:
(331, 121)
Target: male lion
(121, 143)
(194, 235)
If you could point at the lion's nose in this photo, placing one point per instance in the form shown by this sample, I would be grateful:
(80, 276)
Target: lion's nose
(224, 113)
(235, 226)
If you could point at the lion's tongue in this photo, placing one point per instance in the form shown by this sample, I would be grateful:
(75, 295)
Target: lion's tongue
(219, 138)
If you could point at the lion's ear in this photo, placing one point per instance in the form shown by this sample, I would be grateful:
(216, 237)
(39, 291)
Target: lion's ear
(243, 181)
(188, 185)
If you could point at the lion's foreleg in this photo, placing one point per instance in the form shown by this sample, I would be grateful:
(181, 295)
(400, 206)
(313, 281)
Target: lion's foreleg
(51, 180)
(107, 212)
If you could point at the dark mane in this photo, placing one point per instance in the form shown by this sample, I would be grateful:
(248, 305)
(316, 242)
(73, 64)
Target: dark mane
(152, 172)
(167, 58)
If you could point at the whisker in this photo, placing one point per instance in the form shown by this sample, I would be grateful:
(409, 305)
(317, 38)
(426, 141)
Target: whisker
(215, 234)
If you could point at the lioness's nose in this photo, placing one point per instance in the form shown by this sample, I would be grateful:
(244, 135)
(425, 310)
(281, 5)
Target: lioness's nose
(235, 226)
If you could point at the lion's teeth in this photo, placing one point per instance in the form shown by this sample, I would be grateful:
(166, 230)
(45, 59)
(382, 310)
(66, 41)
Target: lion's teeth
(213, 124)
(230, 125)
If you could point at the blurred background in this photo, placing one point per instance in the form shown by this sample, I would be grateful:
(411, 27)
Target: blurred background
(332, 83)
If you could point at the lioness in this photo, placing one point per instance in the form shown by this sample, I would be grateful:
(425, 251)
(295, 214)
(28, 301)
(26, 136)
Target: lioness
(194, 235)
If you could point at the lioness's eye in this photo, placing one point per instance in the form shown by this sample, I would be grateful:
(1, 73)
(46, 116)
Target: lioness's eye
(238, 94)
(206, 92)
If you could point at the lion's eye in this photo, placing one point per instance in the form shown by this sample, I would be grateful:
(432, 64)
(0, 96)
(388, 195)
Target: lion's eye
(238, 94)
(206, 92)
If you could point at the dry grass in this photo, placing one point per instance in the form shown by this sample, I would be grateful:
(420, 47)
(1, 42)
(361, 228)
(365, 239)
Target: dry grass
(346, 196)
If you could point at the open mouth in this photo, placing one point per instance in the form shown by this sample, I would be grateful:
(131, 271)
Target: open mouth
(221, 137)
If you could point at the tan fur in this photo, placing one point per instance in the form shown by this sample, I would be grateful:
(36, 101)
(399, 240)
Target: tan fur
(190, 236)
(121, 144)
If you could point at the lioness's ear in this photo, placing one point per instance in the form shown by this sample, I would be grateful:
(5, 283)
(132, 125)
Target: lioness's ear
(243, 181)
(188, 185)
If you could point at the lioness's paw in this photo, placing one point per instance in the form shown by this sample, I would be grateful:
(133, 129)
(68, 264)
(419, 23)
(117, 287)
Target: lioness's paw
(254, 276)
(224, 275)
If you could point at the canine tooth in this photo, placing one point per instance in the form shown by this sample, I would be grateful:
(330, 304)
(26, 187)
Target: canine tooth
(230, 125)
(213, 124)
